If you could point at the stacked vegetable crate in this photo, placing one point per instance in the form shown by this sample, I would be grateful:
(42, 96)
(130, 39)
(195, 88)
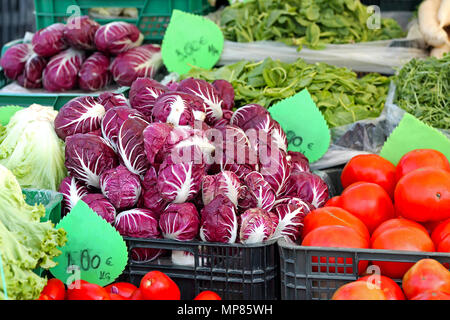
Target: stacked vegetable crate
(315, 273)
(153, 15)
(234, 271)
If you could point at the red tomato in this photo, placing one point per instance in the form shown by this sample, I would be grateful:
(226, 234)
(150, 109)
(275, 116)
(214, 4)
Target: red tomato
(156, 285)
(444, 246)
(358, 290)
(83, 290)
(441, 232)
(333, 202)
(124, 289)
(390, 288)
(432, 295)
(369, 202)
(207, 295)
(370, 168)
(424, 195)
(401, 238)
(396, 223)
(426, 275)
(336, 237)
(53, 290)
(421, 158)
(327, 216)
(115, 296)
(137, 295)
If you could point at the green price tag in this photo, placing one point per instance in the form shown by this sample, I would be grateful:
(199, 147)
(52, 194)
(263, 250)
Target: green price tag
(94, 252)
(411, 134)
(191, 40)
(306, 129)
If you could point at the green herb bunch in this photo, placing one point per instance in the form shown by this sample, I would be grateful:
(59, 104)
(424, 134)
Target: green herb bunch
(340, 95)
(313, 23)
(423, 90)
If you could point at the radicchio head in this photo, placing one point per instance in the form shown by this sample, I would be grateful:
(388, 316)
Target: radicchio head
(111, 100)
(308, 187)
(61, 72)
(177, 108)
(226, 183)
(80, 115)
(180, 222)
(80, 32)
(256, 226)
(219, 221)
(118, 37)
(100, 205)
(31, 77)
(143, 94)
(208, 94)
(87, 157)
(121, 187)
(140, 223)
(14, 59)
(72, 191)
(49, 41)
(94, 73)
(140, 62)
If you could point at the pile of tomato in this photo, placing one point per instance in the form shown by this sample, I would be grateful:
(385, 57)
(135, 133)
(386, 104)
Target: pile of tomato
(155, 285)
(427, 279)
(404, 207)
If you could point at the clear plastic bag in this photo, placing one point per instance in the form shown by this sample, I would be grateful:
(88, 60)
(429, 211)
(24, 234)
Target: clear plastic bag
(376, 56)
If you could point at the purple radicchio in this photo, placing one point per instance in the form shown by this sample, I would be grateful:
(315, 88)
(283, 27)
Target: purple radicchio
(61, 72)
(94, 73)
(49, 41)
(14, 60)
(72, 191)
(274, 165)
(140, 62)
(260, 192)
(308, 187)
(118, 37)
(256, 226)
(291, 214)
(31, 77)
(179, 182)
(155, 137)
(80, 115)
(121, 187)
(180, 221)
(100, 205)
(140, 223)
(143, 94)
(177, 108)
(219, 222)
(226, 183)
(299, 161)
(80, 32)
(130, 145)
(111, 100)
(226, 93)
(88, 156)
(150, 198)
(209, 96)
(113, 120)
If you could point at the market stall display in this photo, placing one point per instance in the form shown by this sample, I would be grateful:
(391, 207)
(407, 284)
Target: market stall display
(310, 162)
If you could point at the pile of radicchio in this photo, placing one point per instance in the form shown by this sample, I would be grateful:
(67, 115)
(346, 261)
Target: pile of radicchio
(175, 162)
(82, 54)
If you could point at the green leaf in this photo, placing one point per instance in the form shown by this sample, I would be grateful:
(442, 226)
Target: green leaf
(313, 34)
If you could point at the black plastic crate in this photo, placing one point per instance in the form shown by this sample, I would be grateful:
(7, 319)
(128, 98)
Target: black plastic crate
(303, 279)
(393, 5)
(234, 271)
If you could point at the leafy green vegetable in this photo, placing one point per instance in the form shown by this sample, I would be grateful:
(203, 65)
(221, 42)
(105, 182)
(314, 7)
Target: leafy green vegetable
(30, 148)
(423, 90)
(340, 95)
(304, 22)
(25, 242)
